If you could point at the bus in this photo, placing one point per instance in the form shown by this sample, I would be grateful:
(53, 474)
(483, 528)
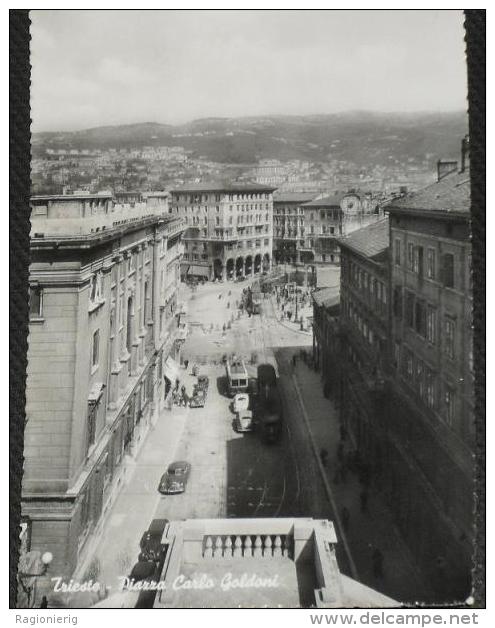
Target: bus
(269, 404)
(237, 375)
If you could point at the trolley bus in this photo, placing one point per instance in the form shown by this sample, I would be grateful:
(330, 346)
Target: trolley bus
(237, 376)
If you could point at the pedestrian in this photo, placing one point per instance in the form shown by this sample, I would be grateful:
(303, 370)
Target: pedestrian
(44, 602)
(346, 518)
(377, 560)
(186, 364)
(177, 384)
(363, 499)
(294, 357)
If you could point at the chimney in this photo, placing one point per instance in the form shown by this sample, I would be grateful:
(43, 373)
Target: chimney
(465, 153)
(445, 167)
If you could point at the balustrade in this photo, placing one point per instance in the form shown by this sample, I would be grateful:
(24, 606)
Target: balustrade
(247, 546)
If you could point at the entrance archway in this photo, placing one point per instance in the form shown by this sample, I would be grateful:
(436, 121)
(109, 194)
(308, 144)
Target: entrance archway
(217, 269)
(248, 265)
(239, 267)
(257, 263)
(266, 262)
(230, 268)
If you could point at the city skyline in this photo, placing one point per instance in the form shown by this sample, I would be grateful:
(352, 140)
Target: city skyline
(113, 59)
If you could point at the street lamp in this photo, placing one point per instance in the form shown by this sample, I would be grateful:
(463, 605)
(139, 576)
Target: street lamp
(32, 565)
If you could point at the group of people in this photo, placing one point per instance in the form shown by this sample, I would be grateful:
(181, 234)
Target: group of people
(351, 460)
(286, 302)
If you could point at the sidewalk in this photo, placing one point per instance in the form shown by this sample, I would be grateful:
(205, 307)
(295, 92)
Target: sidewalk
(365, 531)
(134, 508)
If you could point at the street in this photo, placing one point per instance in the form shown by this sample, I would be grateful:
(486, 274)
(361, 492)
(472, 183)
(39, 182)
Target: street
(238, 474)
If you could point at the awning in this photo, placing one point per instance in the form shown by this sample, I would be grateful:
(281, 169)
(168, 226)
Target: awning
(198, 271)
(171, 369)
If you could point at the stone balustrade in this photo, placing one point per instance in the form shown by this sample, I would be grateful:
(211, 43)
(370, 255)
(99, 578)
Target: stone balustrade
(247, 546)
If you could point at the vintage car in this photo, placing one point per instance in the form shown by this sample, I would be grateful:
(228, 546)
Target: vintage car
(150, 544)
(174, 480)
(241, 402)
(198, 398)
(244, 421)
(203, 382)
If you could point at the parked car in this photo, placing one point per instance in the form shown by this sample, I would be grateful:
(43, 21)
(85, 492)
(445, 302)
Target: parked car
(174, 480)
(241, 402)
(203, 382)
(244, 421)
(151, 541)
(198, 399)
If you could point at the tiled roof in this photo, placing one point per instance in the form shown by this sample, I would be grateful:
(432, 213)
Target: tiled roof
(293, 197)
(218, 186)
(450, 194)
(370, 240)
(333, 200)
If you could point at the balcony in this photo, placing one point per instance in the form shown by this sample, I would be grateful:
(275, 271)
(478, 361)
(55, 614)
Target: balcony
(286, 563)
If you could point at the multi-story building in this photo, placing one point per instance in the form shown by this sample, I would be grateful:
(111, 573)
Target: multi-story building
(102, 332)
(363, 320)
(288, 224)
(229, 228)
(431, 397)
(271, 172)
(328, 218)
(398, 362)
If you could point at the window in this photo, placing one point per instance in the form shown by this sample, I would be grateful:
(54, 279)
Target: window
(397, 302)
(35, 302)
(420, 317)
(410, 255)
(430, 388)
(91, 426)
(397, 252)
(418, 260)
(430, 264)
(409, 308)
(420, 382)
(449, 401)
(95, 351)
(431, 324)
(409, 363)
(448, 270)
(449, 329)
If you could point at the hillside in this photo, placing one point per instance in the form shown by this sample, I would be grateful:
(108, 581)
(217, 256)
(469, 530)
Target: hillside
(363, 138)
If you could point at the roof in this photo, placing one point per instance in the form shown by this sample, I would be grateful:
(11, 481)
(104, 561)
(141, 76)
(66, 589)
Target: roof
(327, 276)
(71, 197)
(452, 194)
(294, 197)
(332, 200)
(218, 186)
(327, 297)
(369, 241)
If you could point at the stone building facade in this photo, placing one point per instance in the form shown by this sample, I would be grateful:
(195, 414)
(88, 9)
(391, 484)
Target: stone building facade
(103, 302)
(399, 366)
(229, 229)
(288, 225)
(328, 218)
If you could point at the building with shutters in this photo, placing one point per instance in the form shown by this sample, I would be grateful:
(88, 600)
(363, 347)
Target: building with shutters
(398, 362)
(327, 218)
(229, 229)
(103, 279)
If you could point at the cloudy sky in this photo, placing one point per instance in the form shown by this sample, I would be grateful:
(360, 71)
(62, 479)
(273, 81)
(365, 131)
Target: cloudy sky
(92, 68)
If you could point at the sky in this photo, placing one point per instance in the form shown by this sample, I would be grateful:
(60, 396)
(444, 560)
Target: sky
(93, 68)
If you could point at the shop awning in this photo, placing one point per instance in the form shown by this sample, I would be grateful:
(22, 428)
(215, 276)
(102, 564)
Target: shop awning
(171, 369)
(198, 271)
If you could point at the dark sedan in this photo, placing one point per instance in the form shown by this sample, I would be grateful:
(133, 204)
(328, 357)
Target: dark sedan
(174, 480)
